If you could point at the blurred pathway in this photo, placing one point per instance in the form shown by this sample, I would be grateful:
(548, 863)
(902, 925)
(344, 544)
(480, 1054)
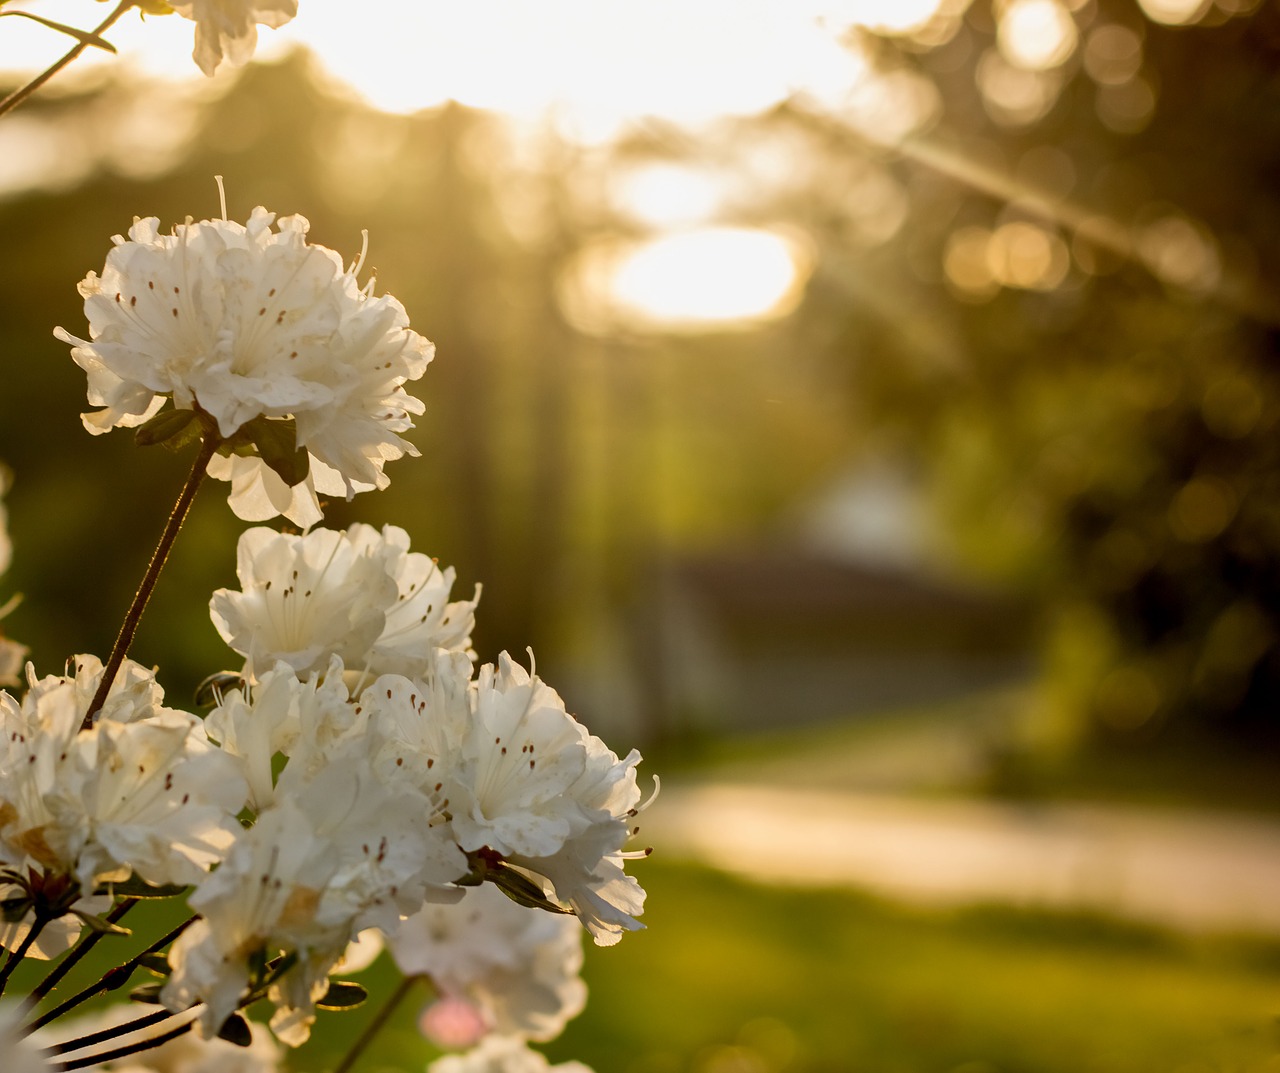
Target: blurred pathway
(1197, 871)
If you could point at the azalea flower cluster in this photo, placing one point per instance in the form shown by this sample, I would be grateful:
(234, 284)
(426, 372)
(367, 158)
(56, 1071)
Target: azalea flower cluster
(262, 340)
(406, 775)
(358, 780)
(381, 780)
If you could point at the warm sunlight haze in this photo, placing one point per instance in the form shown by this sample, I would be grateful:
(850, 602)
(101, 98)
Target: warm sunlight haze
(693, 281)
(868, 412)
(683, 63)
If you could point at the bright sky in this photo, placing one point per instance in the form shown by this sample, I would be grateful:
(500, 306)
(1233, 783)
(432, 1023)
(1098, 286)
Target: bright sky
(601, 61)
(593, 65)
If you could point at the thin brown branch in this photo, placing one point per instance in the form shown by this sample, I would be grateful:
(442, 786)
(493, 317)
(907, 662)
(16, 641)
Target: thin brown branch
(23, 92)
(208, 447)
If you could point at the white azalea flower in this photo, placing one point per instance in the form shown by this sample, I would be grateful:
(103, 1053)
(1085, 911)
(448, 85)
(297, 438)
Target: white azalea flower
(247, 322)
(359, 594)
(511, 771)
(228, 29)
(521, 754)
(414, 731)
(422, 619)
(502, 1054)
(390, 856)
(518, 967)
(13, 656)
(337, 851)
(56, 936)
(303, 599)
(142, 791)
(270, 882)
(587, 872)
(256, 724)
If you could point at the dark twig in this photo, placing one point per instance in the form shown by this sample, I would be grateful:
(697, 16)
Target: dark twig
(208, 447)
(77, 954)
(115, 1032)
(111, 979)
(375, 1026)
(23, 92)
(127, 1049)
(20, 951)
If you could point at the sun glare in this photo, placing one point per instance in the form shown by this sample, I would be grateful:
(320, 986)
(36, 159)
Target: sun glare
(1175, 12)
(1036, 34)
(668, 195)
(696, 280)
(882, 16)
(594, 69)
(597, 65)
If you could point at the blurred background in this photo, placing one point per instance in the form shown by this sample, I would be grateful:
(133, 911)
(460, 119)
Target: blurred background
(868, 408)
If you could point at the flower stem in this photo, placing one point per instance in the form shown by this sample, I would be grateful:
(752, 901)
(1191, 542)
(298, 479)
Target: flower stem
(77, 954)
(20, 951)
(375, 1026)
(128, 1048)
(114, 1032)
(112, 979)
(208, 447)
(23, 92)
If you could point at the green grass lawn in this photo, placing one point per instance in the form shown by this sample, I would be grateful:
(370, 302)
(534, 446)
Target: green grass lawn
(732, 977)
(736, 978)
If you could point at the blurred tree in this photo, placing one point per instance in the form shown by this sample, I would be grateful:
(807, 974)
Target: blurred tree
(1073, 333)
(556, 465)
(1045, 266)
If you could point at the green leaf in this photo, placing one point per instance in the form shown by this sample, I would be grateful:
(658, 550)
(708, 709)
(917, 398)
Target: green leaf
(277, 444)
(133, 887)
(157, 963)
(524, 891)
(14, 909)
(342, 995)
(173, 429)
(83, 36)
(101, 924)
(235, 1029)
(210, 691)
(148, 993)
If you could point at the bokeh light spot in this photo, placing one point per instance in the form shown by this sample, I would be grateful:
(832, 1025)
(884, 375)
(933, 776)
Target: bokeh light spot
(1128, 107)
(967, 265)
(1024, 255)
(1036, 34)
(1127, 698)
(1112, 54)
(1015, 96)
(1175, 12)
(667, 195)
(1202, 509)
(688, 281)
(1181, 252)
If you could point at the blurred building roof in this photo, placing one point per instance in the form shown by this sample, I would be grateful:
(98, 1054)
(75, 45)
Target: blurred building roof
(752, 638)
